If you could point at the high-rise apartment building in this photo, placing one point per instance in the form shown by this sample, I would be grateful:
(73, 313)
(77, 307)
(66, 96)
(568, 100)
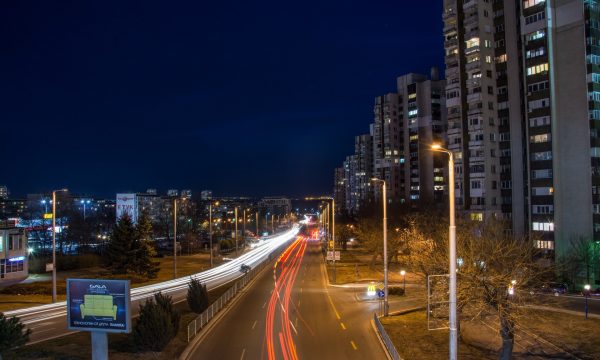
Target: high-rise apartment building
(339, 190)
(3, 192)
(523, 99)
(386, 140)
(422, 122)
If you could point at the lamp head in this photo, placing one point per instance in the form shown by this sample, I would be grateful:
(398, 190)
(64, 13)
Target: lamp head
(436, 146)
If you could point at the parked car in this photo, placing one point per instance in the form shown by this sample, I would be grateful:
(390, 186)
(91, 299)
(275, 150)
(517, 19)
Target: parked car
(552, 288)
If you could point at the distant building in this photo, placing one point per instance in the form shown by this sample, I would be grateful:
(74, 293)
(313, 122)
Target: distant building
(206, 195)
(134, 203)
(186, 194)
(13, 253)
(173, 192)
(275, 205)
(3, 192)
(339, 190)
(12, 208)
(151, 192)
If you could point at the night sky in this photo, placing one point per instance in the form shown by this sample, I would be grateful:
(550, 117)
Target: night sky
(244, 98)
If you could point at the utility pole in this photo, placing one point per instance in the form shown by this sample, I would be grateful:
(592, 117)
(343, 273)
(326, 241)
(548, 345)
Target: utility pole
(54, 243)
(257, 224)
(210, 233)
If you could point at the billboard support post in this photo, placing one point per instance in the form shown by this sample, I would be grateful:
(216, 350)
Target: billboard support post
(99, 345)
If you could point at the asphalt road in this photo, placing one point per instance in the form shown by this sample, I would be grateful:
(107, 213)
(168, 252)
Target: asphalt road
(571, 302)
(49, 321)
(303, 319)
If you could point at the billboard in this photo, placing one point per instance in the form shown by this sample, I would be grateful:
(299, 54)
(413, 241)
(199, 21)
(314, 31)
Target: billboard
(126, 204)
(98, 305)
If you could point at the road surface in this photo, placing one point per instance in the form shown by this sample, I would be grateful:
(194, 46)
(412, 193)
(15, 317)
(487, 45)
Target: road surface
(49, 321)
(301, 319)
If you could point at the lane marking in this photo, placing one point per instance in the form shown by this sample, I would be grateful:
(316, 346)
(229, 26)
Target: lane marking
(343, 326)
(353, 345)
(265, 304)
(301, 290)
(298, 303)
(293, 327)
(333, 306)
(243, 353)
(253, 325)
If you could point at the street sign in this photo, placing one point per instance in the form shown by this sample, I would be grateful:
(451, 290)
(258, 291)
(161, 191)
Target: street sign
(98, 305)
(331, 244)
(48, 216)
(380, 293)
(49, 267)
(330, 256)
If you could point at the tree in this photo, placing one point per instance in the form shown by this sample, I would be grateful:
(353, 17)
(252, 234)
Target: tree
(119, 252)
(154, 328)
(197, 296)
(490, 263)
(12, 333)
(143, 249)
(582, 261)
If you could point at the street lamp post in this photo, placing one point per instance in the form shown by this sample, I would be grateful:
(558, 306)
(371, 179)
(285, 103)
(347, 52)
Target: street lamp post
(453, 348)
(244, 228)
(84, 202)
(236, 230)
(210, 233)
(403, 273)
(257, 224)
(175, 238)
(587, 288)
(273, 224)
(54, 243)
(385, 257)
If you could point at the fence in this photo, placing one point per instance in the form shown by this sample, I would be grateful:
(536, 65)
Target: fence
(391, 349)
(202, 320)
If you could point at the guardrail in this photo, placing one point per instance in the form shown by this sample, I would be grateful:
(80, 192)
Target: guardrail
(203, 319)
(389, 345)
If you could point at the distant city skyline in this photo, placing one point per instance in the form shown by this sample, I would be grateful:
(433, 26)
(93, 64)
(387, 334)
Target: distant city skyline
(117, 97)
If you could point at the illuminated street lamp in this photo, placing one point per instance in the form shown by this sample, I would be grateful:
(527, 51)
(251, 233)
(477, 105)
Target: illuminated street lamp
(210, 232)
(84, 202)
(385, 257)
(587, 288)
(453, 346)
(403, 273)
(54, 243)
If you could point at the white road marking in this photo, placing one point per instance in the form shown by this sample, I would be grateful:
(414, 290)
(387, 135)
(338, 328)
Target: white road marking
(253, 325)
(243, 353)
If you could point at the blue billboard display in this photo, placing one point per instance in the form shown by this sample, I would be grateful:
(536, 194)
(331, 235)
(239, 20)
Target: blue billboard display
(98, 305)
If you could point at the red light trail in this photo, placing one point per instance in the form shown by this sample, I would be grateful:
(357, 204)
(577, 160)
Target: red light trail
(288, 265)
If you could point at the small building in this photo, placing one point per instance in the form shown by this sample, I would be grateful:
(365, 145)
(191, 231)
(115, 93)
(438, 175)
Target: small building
(14, 266)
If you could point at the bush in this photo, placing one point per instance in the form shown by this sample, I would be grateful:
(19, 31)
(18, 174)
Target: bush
(395, 290)
(197, 296)
(12, 334)
(37, 265)
(158, 323)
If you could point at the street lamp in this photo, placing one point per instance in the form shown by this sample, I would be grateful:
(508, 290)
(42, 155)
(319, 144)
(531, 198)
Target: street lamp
(236, 230)
(453, 348)
(84, 202)
(257, 224)
(174, 238)
(587, 288)
(210, 232)
(403, 273)
(385, 257)
(54, 243)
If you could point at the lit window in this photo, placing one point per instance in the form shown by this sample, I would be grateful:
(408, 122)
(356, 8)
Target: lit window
(537, 69)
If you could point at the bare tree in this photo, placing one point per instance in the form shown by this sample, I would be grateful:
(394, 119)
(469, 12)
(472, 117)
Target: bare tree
(492, 267)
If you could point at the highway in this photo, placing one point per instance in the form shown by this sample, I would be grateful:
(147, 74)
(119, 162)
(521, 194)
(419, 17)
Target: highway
(49, 321)
(290, 313)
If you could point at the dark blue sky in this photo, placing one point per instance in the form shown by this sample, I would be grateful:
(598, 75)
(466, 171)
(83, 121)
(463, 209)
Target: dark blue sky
(244, 98)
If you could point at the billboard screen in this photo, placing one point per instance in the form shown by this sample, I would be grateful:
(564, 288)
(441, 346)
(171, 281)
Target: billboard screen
(98, 305)
(126, 204)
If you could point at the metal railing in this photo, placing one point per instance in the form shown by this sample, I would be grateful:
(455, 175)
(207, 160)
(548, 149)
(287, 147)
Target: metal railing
(391, 349)
(203, 319)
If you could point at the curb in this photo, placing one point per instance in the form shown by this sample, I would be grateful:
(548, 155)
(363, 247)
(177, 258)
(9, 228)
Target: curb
(189, 349)
(559, 310)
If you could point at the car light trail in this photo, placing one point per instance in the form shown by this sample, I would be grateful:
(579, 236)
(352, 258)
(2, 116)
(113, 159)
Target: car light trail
(213, 278)
(288, 266)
